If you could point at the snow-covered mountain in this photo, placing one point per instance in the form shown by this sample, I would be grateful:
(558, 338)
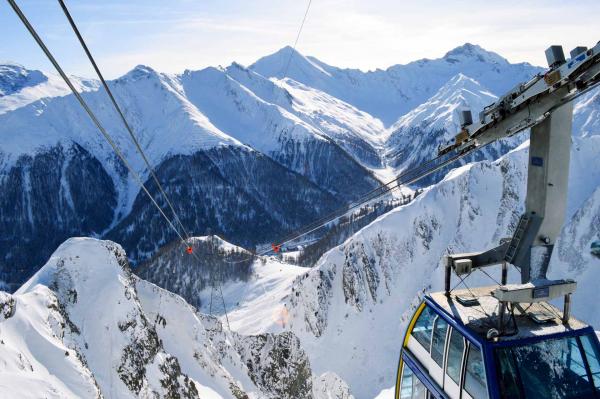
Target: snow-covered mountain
(15, 78)
(227, 158)
(241, 153)
(85, 327)
(389, 94)
(20, 86)
(353, 307)
(417, 135)
(359, 133)
(350, 310)
(246, 156)
(269, 128)
(586, 114)
(439, 112)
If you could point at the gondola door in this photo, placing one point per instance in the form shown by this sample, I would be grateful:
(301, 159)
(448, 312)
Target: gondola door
(454, 361)
(438, 349)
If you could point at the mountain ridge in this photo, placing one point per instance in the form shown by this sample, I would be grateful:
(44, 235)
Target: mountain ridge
(389, 93)
(218, 135)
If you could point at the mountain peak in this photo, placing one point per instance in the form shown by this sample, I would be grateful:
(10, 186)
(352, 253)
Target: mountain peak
(467, 48)
(438, 112)
(140, 72)
(14, 77)
(469, 51)
(236, 65)
(79, 260)
(285, 51)
(276, 65)
(280, 56)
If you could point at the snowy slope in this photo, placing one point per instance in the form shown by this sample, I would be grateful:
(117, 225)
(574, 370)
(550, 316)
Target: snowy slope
(15, 78)
(416, 136)
(85, 327)
(271, 128)
(164, 121)
(209, 131)
(104, 323)
(255, 286)
(35, 361)
(259, 303)
(357, 132)
(336, 309)
(219, 96)
(574, 258)
(440, 111)
(218, 137)
(174, 127)
(245, 106)
(586, 114)
(371, 294)
(389, 94)
(171, 115)
(20, 86)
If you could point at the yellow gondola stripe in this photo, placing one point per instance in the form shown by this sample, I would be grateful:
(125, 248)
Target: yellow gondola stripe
(398, 378)
(413, 321)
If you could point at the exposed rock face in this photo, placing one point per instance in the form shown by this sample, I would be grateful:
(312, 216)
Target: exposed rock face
(331, 386)
(278, 365)
(320, 288)
(8, 306)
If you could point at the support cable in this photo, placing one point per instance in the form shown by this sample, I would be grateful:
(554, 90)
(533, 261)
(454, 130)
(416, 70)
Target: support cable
(409, 177)
(96, 122)
(223, 300)
(296, 41)
(122, 116)
(137, 145)
(90, 113)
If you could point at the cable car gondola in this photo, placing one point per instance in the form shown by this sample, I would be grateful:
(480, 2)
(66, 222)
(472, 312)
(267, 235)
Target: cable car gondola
(453, 349)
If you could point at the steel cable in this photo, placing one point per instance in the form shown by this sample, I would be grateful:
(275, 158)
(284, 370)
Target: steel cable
(122, 116)
(90, 113)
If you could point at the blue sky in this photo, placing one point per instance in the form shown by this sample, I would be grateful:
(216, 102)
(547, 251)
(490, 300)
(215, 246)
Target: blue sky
(172, 35)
